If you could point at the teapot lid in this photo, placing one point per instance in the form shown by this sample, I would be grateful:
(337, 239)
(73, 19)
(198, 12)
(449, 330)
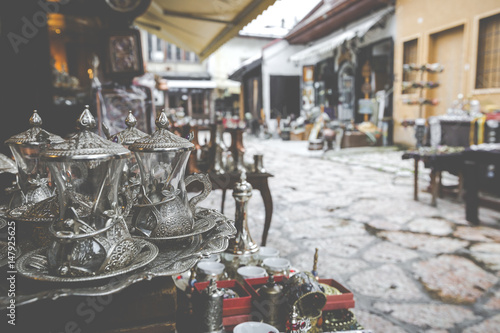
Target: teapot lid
(129, 135)
(36, 135)
(162, 139)
(85, 145)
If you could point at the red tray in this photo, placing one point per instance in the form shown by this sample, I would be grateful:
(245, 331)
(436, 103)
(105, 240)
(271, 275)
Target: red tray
(230, 322)
(231, 306)
(335, 302)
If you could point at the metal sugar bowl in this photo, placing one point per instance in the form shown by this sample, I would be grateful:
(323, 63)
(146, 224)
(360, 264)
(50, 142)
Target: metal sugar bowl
(33, 177)
(90, 233)
(164, 210)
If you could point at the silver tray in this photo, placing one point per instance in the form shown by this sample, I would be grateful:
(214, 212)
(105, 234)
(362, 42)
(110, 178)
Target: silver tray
(174, 258)
(201, 225)
(34, 265)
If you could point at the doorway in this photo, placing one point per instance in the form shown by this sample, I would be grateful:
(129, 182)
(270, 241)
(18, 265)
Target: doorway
(446, 48)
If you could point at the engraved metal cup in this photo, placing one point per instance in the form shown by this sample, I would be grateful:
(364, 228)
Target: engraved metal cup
(164, 209)
(90, 234)
(33, 176)
(130, 183)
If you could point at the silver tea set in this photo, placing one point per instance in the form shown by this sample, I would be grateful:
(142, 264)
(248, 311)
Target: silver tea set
(105, 205)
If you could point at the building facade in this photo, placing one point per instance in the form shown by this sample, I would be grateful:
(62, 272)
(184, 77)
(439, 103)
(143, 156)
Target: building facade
(461, 35)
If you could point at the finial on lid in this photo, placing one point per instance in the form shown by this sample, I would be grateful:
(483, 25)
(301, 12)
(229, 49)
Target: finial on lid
(35, 119)
(130, 121)
(86, 120)
(162, 120)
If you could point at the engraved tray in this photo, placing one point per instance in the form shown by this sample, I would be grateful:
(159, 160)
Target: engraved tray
(174, 257)
(29, 265)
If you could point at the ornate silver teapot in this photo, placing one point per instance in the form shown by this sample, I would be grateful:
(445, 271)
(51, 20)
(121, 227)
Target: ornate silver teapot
(164, 209)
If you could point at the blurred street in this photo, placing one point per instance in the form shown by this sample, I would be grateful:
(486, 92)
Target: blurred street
(412, 267)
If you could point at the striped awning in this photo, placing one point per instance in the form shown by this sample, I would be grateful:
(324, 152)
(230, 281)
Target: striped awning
(201, 26)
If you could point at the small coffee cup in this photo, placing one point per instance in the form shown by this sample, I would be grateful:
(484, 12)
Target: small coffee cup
(208, 270)
(251, 272)
(268, 252)
(254, 327)
(277, 266)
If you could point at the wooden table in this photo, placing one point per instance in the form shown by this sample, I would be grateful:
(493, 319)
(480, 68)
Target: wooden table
(437, 162)
(478, 179)
(228, 180)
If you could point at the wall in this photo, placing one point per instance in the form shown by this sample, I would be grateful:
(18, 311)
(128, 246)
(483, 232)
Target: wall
(424, 19)
(275, 61)
(229, 57)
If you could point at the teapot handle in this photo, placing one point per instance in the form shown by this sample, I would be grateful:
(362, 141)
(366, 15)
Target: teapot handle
(207, 188)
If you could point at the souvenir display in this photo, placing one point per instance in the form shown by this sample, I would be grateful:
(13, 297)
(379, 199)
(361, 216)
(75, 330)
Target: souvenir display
(163, 209)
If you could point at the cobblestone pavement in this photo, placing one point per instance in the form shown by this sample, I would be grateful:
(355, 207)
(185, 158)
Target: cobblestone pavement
(411, 267)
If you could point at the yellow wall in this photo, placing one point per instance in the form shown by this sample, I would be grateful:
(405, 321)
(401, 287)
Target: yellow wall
(425, 19)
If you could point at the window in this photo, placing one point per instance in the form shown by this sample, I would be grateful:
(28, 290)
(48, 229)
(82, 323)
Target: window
(488, 53)
(158, 44)
(410, 52)
(197, 98)
(150, 46)
(178, 55)
(170, 55)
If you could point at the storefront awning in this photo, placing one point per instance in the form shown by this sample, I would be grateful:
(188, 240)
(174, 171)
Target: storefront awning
(191, 84)
(326, 47)
(198, 25)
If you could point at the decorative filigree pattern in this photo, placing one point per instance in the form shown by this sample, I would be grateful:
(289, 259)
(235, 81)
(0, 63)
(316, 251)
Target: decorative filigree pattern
(35, 135)
(43, 211)
(162, 139)
(122, 255)
(32, 265)
(129, 135)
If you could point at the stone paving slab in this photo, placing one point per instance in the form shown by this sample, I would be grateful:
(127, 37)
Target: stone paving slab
(441, 316)
(409, 265)
(454, 279)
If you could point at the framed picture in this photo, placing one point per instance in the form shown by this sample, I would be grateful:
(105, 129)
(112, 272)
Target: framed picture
(308, 74)
(115, 103)
(124, 55)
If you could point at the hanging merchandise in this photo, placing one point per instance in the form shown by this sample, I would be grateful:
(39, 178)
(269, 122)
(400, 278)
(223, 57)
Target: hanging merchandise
(421, 122)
